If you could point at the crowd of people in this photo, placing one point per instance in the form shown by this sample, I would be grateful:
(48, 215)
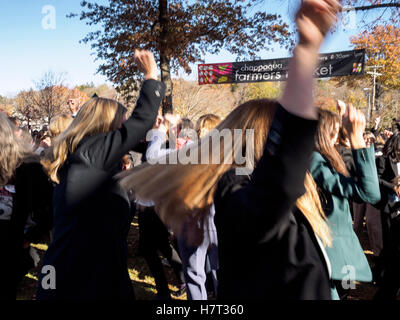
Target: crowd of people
(282, 223)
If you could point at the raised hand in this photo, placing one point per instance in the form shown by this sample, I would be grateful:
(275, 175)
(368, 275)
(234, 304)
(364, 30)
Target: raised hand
(341, 106)
(159, 125)
(172, 119)
(377, 121)
(146, 63)
(354, 122)
(314, 19)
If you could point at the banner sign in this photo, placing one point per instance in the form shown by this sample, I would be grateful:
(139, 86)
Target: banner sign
(334, 64)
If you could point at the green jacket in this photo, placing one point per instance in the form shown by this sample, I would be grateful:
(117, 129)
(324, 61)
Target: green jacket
(346, 255)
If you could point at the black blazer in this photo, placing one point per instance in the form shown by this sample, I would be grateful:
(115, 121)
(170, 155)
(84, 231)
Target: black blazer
(32, 199)
(386, 174)
(347, 156)
(267, 249)
(92, 212)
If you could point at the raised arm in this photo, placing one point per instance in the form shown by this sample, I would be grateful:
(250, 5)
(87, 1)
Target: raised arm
(278, 180)
(290, 139)
(314, 19)
(117, 143)
(362, 188)
(157, 137)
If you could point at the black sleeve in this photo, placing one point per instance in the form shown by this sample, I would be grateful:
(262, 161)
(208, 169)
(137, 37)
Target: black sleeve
(116, 144)
(33, 198)
(141, 147)
(381, 166)
(262, 206)
(42, 207)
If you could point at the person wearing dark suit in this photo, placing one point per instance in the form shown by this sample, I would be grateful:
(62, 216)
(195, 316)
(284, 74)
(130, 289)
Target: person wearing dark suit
(25, 208)
(270, 226)
(388, 169)
(388, 166)
(372, 220)
(263, 233)
(267, 248)
(92, 212)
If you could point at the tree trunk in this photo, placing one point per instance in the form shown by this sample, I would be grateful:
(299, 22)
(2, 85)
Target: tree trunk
(164, 56)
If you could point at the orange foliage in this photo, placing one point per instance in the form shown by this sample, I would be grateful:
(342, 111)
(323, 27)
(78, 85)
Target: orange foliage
(382, 45)
(326, 103)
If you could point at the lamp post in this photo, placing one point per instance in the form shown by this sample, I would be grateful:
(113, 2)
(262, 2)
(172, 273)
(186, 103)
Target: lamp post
(375, 74)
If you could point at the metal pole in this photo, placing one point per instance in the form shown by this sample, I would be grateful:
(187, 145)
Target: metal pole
(369, 107)
(374, 74)
(374, 93)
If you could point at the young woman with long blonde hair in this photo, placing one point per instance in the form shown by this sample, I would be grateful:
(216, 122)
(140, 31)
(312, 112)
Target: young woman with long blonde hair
(270, 224)
(91, 212)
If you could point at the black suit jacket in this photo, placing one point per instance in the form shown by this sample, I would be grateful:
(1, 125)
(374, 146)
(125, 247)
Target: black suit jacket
(267, 249)
(386, 174)
(32, 199)
(92, 212)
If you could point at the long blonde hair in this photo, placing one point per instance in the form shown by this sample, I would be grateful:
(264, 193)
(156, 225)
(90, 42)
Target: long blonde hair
(13, 151)
(323, 140)
(182, 190)
(206, 123)
(98, 115)
(59, 124)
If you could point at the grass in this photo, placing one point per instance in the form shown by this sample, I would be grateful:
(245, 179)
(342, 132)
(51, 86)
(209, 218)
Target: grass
(142, 281)
(144, 284)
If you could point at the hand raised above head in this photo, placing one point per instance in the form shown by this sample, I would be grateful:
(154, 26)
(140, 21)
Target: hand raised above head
(146, 63)
(341, 106)
(314, 19)
(354, 122)
(172, 119)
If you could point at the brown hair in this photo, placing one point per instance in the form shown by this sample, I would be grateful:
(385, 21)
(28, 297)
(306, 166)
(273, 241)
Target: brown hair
(323, 140)
(182, 190)
(13, 151)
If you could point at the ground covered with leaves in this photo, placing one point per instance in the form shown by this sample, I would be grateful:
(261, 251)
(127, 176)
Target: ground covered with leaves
(144, 284)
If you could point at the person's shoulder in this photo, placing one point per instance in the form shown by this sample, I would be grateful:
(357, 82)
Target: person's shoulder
(317, 157)
(231, 182)
(90, 141)
(30, 162)
(31, 169)
(381, 160)
(89, 148)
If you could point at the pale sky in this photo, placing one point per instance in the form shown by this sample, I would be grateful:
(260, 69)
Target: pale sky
(28, 50)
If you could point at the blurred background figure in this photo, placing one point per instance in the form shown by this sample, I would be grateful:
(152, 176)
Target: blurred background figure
(372, 220)
(388, 166)
(25, 208)
(73, 107)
